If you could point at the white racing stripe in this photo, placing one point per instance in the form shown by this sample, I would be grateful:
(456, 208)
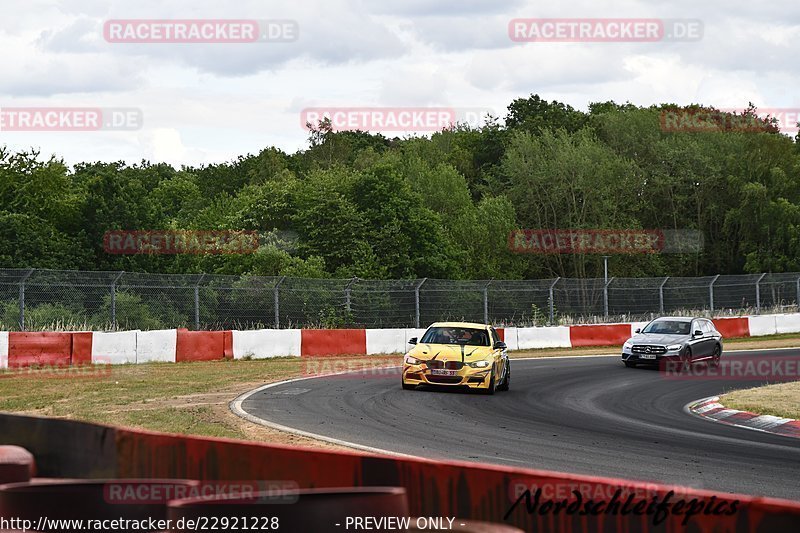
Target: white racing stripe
(236, 408)
(767, 421)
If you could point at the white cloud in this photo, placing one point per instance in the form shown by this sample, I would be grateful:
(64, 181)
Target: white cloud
(206, 103)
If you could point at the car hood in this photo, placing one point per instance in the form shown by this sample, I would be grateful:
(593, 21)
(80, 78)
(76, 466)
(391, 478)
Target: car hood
(450, 352)
(658, 338)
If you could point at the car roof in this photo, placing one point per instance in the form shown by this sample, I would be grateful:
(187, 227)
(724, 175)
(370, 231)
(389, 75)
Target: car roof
(474, 325)
(679, 318)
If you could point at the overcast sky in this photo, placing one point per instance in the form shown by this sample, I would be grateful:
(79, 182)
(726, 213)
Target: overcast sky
(205, 103)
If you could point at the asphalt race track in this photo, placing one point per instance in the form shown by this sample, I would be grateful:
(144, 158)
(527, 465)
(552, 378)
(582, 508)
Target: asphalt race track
(587, 415)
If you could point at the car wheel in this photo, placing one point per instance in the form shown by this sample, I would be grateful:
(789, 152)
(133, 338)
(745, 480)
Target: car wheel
(686, 359)
(507, 380)
(629, 364)
(715, 359)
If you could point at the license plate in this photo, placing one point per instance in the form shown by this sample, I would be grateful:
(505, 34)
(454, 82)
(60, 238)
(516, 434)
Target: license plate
(439, 372)
(648, 356)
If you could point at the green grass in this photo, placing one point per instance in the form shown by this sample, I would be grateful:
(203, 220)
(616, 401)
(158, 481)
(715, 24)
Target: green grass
(778, 400)
(156, 396)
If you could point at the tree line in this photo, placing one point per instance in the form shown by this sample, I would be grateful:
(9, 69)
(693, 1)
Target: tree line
(360, 204)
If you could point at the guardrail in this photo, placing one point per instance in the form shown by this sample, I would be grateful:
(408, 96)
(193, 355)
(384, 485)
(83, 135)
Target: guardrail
(59, 349)
(65, 448)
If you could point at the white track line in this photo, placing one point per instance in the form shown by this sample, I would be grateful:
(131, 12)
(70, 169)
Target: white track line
(236, 408)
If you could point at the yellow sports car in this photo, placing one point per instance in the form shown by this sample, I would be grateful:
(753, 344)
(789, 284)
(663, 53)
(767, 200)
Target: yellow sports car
(458, 354)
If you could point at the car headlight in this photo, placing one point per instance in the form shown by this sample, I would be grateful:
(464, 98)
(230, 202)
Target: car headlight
(627, 346)
(674, 347)
(411, 360)
(480, 364)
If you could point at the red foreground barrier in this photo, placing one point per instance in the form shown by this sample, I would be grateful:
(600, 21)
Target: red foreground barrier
(435, 488)
(732, 327)
(320, 342)
(16, 464)
(599, 335)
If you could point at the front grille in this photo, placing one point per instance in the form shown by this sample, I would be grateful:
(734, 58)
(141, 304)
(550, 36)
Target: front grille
(657, 350)
(444, 379)
(449, 365)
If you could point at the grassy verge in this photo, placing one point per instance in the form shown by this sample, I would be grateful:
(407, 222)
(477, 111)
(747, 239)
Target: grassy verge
(777, 400)
(187, 398)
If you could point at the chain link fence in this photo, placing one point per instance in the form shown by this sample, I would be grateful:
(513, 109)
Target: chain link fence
(71, 300)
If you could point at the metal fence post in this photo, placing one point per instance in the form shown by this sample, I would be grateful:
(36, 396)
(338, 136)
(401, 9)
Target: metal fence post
(661, 295)
(605, 296)
(114, 301)
(798, 294)
(758, 293)
(552, 300)
(277, 303)
(22, 299)
(711, 293)
(197, 303)
(486, 302)
(347, 295)
(416, 300)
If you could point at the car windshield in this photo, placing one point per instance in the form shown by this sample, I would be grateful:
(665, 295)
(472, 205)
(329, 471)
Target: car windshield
(456, 335)
(669, 327)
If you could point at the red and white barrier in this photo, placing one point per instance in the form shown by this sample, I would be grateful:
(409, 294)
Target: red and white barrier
(321, 342)
(3, 349)
(510, 336)
(266, 343)
(115, 348)
(547, 337)
(761, 325)
(39, 349)
(157, 346)
(384, 341)
(18, 349)
(787, 323)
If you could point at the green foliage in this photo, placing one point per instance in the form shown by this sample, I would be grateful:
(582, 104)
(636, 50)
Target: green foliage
(362, 205)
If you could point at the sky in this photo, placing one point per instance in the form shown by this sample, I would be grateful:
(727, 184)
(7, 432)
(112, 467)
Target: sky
(203, 103)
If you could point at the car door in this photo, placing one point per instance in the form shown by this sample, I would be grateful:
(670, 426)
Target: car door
(502, 359)
(713, 337)
(708, 338)
(697, 343)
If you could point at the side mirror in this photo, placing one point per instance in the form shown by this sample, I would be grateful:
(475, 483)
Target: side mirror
(698, 333)
(412, 340)
(638, 330)
(500, 345)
